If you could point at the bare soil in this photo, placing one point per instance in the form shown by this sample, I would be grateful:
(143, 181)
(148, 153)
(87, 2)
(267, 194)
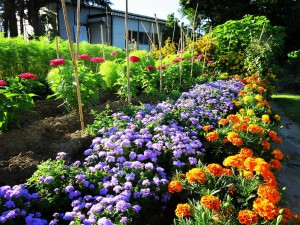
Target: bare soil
(42, 133)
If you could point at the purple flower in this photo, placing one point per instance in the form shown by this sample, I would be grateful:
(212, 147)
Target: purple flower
(124, 220)
(69, 189)
(122, 206)
(136, 208)
(104, 221)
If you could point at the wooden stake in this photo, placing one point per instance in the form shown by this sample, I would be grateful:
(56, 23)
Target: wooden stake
(127, 53)
(193, 42)
(57, 51)
(74, 64)
(102, 40)
(160, 56)
(107, 28)
(77, 28)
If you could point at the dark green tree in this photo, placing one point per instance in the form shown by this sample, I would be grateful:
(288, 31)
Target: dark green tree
(172, 28)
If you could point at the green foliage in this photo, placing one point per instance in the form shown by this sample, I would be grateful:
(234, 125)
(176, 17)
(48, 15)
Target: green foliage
(62, 82)
(110, 74)
(15, 99)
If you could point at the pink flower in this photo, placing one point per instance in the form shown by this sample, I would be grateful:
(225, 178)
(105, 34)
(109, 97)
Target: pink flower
(2, 82)
(134, 59)
(57, 62)
(181, 58)
(210, 62)
(199, 57)
(97, 59)
(29, 76)
(83, 57)
(161, 67)
(192, 59)
(175, 60)
(149, 68)
(114, 53)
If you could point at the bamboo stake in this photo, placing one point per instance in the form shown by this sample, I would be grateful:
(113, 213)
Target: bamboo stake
(204, 58)
(127, 53)
(107, 28)
(77, 28)
(102, 40)
(193, 43)
(57, 51)
(160, 55)
(181, 50)
(261, 34)
(74, 64)
(173, 31)
(147, 33)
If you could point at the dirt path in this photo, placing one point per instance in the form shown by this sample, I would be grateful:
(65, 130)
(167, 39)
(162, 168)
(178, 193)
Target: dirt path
(289, 175)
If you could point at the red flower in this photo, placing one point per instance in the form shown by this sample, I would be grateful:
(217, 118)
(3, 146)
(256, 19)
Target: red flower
(83, 57)
(181, 58)
(134, 59)
(57, 62)
(29, 76)
(149, 68)
(161, 67)
(97, 60)
(175, 60)
(2, 82)
(192, 59)
(114, 53)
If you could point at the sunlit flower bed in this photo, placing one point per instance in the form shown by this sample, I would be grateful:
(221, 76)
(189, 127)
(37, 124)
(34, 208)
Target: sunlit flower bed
(173, 148)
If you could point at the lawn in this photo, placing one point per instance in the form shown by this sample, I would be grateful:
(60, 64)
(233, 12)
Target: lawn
(290, 105)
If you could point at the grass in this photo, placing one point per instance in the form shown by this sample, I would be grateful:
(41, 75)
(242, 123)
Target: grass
(289, 104)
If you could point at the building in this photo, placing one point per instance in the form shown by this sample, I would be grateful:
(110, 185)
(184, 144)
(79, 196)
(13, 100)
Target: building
(99, 25)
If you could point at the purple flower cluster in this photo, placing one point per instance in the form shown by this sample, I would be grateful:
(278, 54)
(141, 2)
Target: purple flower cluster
(128, 163)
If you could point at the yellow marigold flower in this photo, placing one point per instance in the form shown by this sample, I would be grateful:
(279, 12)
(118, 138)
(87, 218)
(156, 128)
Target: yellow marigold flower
(214, 169)
(277, 117)
(259, 105)
(247, 217)
(175, 186)
(277, 154)
(265, 118)
(234, 161)
(248, 174)
(269, 192)
(232, 135)
(265, 208)
(246, 152)
(275, 164)
(237, 141)
(241, 111)
(246, 99)
(258, 97)
(212, 136)
(183, 210)
(196, 174)
(223, 121)
(238, 103)
(210, 202)
(265, 144)
(250, 112)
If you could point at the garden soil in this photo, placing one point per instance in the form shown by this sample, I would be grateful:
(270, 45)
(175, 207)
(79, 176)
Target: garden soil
(48, 129)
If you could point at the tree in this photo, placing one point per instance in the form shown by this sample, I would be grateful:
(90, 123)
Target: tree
(284, 13)
(9, 17)
(172, 28)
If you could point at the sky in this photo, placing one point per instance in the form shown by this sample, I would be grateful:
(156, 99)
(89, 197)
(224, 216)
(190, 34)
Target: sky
(162, 8)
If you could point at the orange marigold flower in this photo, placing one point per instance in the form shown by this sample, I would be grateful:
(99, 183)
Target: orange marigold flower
(265, 208)
(214, 169)
(246, 119)
(247, 217)
(266, 103)
(225, 140)
(233, 118)
(269, 177)
(278, 140)
(269, 192)
(241, 93)
(240, 126)
(248, 174)
(175, 186)
(277, 154)
(273, 135)
(261, 166)
(196, 174)
(246, 152)
(227, 172)
(250, 163)
(210, 202)
(183, 210)
(223, 121)
(277, 117)
(206, 128)
(287, 216)
(234, 161)
(254, 128)
(212, 136)
(265, 118)
(275, 164)
(237, 141)
(266, 145)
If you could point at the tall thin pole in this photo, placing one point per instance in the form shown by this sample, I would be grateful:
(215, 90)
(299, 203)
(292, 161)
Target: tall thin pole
(127, 53)
(160, 56)
(102, 40)
(74, 64)
(77, 28)
(193, 43)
